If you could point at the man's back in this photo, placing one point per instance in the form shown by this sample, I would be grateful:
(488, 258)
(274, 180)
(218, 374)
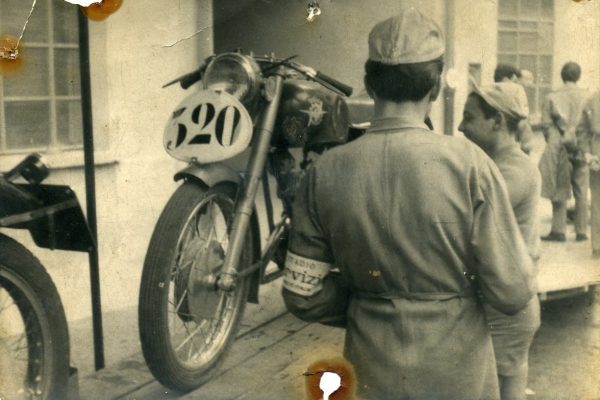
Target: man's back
(417, 215)
(563, 107)
(424, 188)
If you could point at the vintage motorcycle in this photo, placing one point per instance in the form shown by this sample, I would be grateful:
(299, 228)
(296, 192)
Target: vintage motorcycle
(204, 260)
(34, 337)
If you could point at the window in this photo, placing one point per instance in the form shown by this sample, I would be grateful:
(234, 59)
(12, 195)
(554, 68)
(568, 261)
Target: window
(525, 39)
(40, 107)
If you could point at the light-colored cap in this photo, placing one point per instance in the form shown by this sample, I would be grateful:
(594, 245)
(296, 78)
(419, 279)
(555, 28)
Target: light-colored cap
(407, 38)
(503, 97)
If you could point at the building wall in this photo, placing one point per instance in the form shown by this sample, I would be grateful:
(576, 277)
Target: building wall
(471, 48)
(577, 38)
(133, 53)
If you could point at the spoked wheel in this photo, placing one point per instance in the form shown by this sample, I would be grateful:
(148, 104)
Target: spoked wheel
(187, 326)
(34, 339)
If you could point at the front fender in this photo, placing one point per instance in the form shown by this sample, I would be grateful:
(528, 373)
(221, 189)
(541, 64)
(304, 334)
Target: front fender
(209, 174)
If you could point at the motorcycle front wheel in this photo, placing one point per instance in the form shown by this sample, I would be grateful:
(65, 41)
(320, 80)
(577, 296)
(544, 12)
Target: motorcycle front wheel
(34, 338)
(186, 328)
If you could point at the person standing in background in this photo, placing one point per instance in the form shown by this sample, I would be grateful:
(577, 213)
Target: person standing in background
(490, 119)
(509, 73)
(588, 140)
(527, 80)
(563, 167)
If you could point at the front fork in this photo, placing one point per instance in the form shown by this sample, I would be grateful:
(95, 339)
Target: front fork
(245, 204)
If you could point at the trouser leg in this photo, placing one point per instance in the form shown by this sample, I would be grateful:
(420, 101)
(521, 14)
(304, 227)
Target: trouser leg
(595, 189)
(580, 182)
(559, 217)
(513, 387)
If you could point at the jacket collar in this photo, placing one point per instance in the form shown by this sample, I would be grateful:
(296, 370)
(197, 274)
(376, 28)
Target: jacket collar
(393, 124)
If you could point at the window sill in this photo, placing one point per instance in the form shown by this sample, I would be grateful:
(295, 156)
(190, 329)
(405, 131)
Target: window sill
(61, 159)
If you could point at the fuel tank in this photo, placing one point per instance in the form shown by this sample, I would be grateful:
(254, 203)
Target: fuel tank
(310, 116)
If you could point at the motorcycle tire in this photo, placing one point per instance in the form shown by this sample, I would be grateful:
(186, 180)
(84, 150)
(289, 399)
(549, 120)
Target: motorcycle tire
(34, 337)
(190, 241)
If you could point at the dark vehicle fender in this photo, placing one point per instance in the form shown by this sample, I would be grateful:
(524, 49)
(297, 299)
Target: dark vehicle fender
(210, 175)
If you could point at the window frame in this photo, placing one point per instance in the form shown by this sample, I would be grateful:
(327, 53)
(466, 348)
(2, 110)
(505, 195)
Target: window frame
(540, 87)
(52, 98)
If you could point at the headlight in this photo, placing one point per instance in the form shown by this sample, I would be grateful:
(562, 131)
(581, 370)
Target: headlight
(235, 74)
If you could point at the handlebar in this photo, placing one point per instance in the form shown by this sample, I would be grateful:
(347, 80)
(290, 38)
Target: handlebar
(342, 87)
(323, 79)
(189, 79)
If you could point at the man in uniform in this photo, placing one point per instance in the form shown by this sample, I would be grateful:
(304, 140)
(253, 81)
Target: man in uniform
(588, 140)
(562, 165)
(418, 225)
(490, 119)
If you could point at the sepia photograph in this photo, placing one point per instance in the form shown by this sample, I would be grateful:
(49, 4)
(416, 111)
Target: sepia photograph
(268, 199)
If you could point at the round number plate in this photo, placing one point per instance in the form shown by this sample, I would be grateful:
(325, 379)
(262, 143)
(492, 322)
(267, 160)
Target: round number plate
(208, 126)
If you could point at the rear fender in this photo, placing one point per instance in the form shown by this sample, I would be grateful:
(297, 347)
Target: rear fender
(211, 174)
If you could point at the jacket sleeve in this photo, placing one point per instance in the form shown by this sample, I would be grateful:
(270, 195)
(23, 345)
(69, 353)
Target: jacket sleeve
(584, 127)
(311, 291)
(503, 269)
(547, 116)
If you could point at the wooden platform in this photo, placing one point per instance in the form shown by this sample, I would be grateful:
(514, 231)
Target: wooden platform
(567, 266)
(266, 362)
(274, 348)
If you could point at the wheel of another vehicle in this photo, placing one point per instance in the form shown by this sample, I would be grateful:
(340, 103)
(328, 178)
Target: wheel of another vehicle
(186, 326)
(34, 338)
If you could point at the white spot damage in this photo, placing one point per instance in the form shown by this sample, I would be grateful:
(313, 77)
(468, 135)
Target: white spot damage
(83, 3)
(330, 382)
(313, 10)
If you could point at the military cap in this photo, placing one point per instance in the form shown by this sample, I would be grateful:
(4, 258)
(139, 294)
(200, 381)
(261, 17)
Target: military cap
(503, 97)
(407, 38)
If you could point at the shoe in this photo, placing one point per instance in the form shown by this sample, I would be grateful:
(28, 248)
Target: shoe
(581, 237)
(554, 237)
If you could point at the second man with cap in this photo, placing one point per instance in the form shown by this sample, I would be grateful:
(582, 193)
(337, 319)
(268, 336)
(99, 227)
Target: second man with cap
(491, 120)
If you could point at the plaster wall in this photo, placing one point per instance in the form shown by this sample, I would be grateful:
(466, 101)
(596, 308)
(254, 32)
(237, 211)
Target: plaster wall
(577, 38)
(133, 53)
(475, 28)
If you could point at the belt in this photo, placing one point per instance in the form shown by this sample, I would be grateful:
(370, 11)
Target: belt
(418, 296)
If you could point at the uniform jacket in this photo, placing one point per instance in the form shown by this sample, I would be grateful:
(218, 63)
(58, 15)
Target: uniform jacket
(560, 117)
(407, 215)
(523, 183)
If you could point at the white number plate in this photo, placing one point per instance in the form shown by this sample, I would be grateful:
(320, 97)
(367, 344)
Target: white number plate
(208, 126)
